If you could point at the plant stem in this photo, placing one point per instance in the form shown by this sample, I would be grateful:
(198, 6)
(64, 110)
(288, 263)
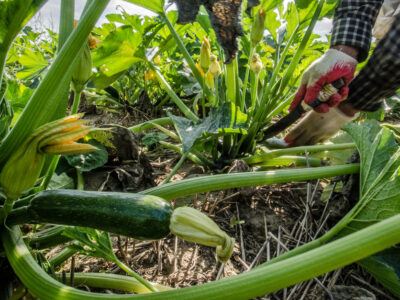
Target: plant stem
(230, 82)
(259, 158)
(257, 282)
(186, 55)
(80, 183)
(61, 257)
(246, 78)
(66, 21)
(150, 124)
(300, 49)
(50, 172)
(227, 181)
(203, 99)
(176, 168)
(184, 109)
(112, 281)
(192, 157)
(289, 160)
(254, 95)
(135, 275)
(77, 100)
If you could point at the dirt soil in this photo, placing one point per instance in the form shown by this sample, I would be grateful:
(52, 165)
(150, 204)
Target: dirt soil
(265, 221)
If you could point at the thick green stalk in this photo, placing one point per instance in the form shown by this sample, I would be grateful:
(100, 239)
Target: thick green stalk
(184, 109)
(203, 100)
(135, 275)
(61, 257)
(150, 124)
(46, 238)
(278, 108)
(111, 281)
(302, 46)
(171, 134)
(227, 181)
(254, 94)
(246, 78)
(259, 158)
(66, 21)
(278, 67)
(290, 160)
(80, 182)
(257, 282)
(230, 82)
(176, 168)
(194, 156)
(186, 55)
(50, 172)
(43, 103)
(75, 105)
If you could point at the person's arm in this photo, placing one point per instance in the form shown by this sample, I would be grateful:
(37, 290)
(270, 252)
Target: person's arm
(351, 36)
(352, 26)
(380, 78)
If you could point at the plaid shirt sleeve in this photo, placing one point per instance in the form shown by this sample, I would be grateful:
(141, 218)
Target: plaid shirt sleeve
(380, 77)
(353, 23)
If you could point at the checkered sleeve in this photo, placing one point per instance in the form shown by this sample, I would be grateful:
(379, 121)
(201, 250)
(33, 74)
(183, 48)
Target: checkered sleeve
(380, 78)
(353, 23)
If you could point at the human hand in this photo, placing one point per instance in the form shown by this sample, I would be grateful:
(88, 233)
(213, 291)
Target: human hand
(317, 127)
(334, 64)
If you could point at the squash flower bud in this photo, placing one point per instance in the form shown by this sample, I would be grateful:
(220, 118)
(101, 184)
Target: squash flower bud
(256, 64)
(214, 68)
(194, 226)
(205, 55)
(257, 30)
(83, 70)
(23, 168)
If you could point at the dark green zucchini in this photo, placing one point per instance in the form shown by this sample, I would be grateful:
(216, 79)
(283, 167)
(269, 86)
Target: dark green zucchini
(139, 216)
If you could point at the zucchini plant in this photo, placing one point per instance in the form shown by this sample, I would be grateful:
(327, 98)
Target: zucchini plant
(86, 217)
(238, 99)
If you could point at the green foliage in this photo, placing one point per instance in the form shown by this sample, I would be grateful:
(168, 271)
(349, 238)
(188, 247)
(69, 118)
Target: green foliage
(62, 181)
(153, 138)
(221, 121)
(155, 5)
(379, 195)
(88, 161)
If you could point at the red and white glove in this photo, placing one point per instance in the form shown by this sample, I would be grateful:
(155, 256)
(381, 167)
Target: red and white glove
(334, 64)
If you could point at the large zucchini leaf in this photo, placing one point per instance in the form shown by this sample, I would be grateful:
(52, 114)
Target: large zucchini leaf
(379, 196)
(156, 6)
(221, 121)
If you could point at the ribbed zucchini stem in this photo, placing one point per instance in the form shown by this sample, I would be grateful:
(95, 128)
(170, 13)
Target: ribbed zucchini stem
(257, 282)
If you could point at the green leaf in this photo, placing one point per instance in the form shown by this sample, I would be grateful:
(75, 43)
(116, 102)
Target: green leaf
(14, 15)
(62, 181)
(117, 52)
(33, 64)
(153, 138)
(18, 95)
(219, 122)
(92, 242)
(384, 266)
(292, 19)
(379, 191)
(270, 4)
(6, 112)
(154, 5)
(272, 24)
(91, 160)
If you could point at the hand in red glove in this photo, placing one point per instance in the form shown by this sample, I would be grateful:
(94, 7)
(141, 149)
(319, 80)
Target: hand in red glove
(334, 64)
